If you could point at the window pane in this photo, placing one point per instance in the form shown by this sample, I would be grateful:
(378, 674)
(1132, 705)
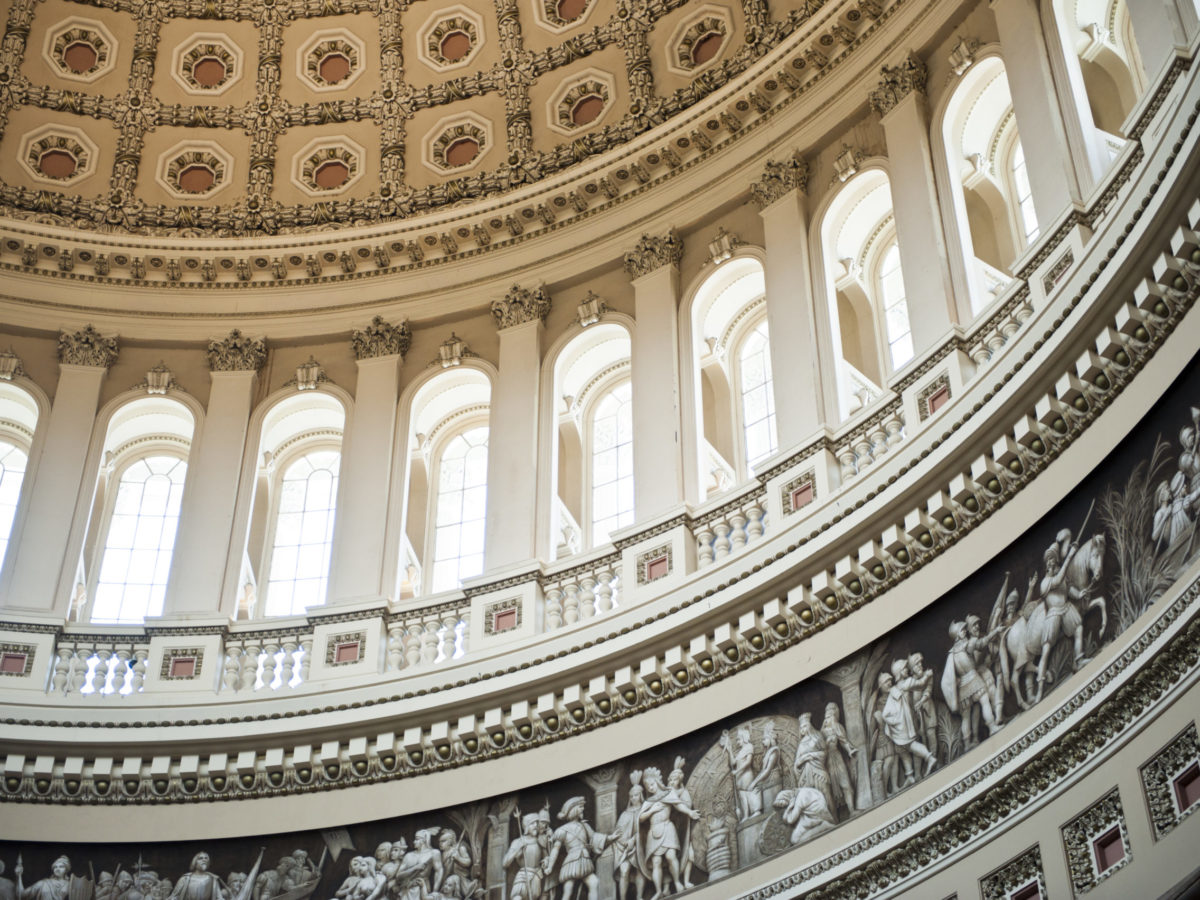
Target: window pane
(303, 538)
(758, 400)
(460, 509)
(612, 462)
(141, 536)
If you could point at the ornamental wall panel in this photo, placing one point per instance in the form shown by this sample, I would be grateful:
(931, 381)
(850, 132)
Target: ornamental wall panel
(668, 56)
(33, 132)
(605, 70)
(302, 152)
(308, 42)
(55, 20)
(174, 78)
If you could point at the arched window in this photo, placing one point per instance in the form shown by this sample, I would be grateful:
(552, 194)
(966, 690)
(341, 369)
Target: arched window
(303, 539)
(460, 508)
(1023, 194)
(612, 462)
(758, 396)
(140, 540)
(18, 419)
(135, 513)
(285, 569)
(895, 307)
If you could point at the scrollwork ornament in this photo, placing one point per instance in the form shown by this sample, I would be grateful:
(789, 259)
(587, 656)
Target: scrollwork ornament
(653, 252)
(237, 353)
(520, 305)
(898, 82)
(1078, 837)
(1157, 777)
(1027, 867)
(779, 178)
(381, 338)
(87, 347)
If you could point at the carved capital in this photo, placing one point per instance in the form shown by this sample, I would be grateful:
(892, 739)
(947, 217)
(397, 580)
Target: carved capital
(779, 178)
(87, 347)
(653, 253)
(898, 82)
(10, 365)
(520, 305)
(381, 338)
(237, 353)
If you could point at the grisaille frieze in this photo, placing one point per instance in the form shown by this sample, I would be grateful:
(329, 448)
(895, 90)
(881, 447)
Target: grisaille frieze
(87, 347)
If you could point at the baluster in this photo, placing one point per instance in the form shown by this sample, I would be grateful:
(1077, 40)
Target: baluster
(721, 544)
(879, 444)
(449, 637)
(571, 603)
(980, 354)
(412, 645)
(233, 666)
(848, 462)
(270, 649)
(587, 596)
(250, 654)
(395, 647)
(79, 670)
(754, 527)
(139, 670)
(895, 430)
(305, 659)
(464, 641)
(554, 609)
(604, 590)
(429, 643)
(704, 545)
(62, 668)
(120, 667)
(862, 450)
(1022, 313)
(288, 662)
(737, 530)
(99, 678)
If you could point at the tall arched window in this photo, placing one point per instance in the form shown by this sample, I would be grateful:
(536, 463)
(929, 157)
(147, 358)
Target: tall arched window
(460, 509)
(895, 307)
(18, 419)
(758, 396)
(303, 540)
(140, 540)
(136, 510)
(13, 460)
(612, 462)
(1023, 194)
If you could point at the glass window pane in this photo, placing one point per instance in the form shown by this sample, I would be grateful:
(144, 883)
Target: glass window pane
(303, 537)
(460, 508)
(611, 432)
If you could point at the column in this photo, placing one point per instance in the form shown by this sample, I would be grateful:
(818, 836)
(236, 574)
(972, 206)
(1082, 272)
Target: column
(802, 358)
(359, 539)
(1056, 128)
(1159, 26)
(513, 439)
(42, 576)
(205, 540)
(900, 101)
(657, 450)
(603, 782)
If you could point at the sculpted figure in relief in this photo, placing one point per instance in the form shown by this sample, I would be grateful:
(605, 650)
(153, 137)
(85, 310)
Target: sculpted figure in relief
(527, 855)
(457, 882)
(809, 766)
(199, 883)
(663, 812)
(54, 887)
(420, 871)
(839, 760)
(573, 850)
(897, 719)
(625, 847)
(769, 780)
(741, 764)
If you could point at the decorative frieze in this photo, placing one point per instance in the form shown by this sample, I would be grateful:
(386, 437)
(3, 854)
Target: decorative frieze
(780, 177)
(1172, 782)
(381, 338)
(237, 353)
(1015, 876)
(654, 252)
(898, 82)
(1097, 843)
(520, 305)
(87, 347)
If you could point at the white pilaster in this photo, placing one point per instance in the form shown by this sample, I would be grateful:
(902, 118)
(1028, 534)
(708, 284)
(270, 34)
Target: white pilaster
(657, 449)
(359, 540)
(923, 257)
(802, 357)
(206, 516)
(1062, 155)
(512, 447)
(42, 578)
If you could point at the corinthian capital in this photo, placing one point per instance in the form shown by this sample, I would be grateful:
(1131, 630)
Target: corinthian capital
(898, 82)
(779, 178)
(520, 305)
(653, 253)
(237, 353)
(87, 347)
(381, 338)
